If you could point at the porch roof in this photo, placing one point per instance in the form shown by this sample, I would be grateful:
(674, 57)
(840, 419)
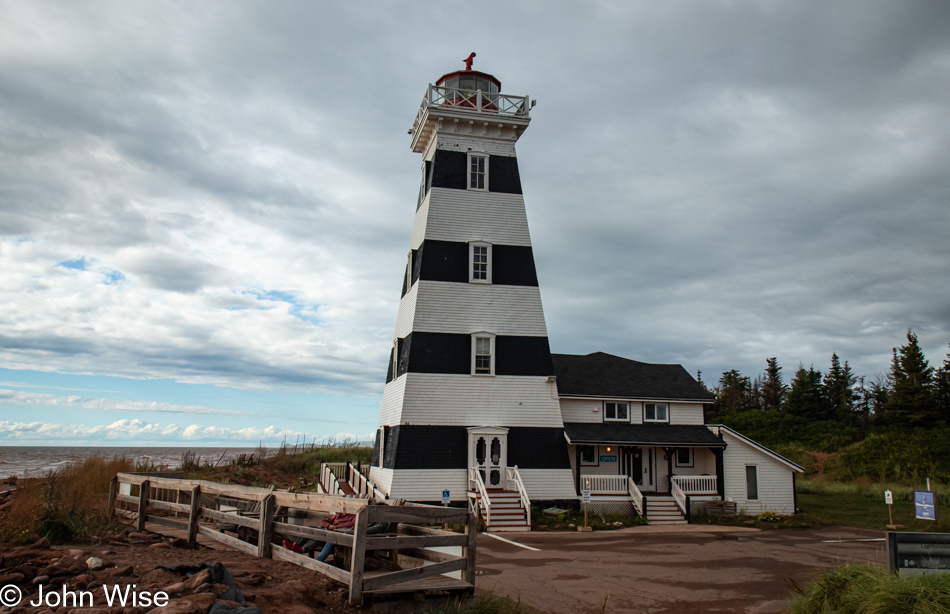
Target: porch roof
(682, 435)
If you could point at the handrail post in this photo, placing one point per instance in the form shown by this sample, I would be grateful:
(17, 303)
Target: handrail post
(113, 491)
(266, 530)
(143, 503)
(358, 557)
(468, 550)
(193, 513)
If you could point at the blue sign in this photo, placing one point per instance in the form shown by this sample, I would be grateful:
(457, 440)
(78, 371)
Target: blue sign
(924, 505)
(446, 498)
(608, 459)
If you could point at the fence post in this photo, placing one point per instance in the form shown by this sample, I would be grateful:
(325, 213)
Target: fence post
(113, 490)
(193, 514)
(266, 531)
(143, 504)
(358, 558)
(468, 550)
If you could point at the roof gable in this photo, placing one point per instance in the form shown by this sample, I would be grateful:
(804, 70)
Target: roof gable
(606, 375)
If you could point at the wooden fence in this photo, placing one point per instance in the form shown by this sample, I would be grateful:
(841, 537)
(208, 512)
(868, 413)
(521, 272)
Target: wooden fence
(402, 559)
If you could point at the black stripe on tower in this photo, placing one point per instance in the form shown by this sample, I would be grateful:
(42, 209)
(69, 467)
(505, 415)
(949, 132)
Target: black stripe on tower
(512, 265)
(451, 353)
(449, 171)
(410, 446)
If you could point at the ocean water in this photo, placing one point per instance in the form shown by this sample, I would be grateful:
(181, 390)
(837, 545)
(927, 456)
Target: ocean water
(37, 461)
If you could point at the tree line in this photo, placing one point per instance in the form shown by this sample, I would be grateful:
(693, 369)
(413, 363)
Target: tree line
(913, 394)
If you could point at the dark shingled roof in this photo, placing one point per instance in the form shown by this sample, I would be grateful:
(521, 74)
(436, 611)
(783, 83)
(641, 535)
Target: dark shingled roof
(643, 434)
(605, 375)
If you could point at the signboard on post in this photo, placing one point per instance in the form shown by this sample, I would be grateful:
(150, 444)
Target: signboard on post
(925, 507)
(918, 554)
(585, 495)
(446, 497)
(888, 497)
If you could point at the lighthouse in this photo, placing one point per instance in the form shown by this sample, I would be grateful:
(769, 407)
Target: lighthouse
(470, 404)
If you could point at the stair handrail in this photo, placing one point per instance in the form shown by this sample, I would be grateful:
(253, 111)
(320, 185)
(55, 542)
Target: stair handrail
(515, 476)
(679, 497)
(475, 478)
(363, 486)
(635, 496)
(329, 480)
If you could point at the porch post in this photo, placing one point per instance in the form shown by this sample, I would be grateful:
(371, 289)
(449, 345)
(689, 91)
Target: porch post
(577, 466)
(720, 473)
(669, 468)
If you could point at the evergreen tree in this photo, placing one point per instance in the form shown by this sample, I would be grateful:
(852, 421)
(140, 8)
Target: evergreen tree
(942, 389)
(773, 388)
(912, 402)
(839, 389)
(732, 394)
(806, 397)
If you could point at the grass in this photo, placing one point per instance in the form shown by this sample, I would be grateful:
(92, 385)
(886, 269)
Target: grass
(67, 506)
(868, 589)
(859, 504)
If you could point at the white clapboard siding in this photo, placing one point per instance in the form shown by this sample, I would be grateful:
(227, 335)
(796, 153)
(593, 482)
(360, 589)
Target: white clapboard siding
(548, 484)
(582, 410)
(776, 489)
(424, 484)
(447, 307)
(686, 413)
(451, 142)
(419, 224)
(462, 215)
(381, 478)
(392, 401)
(467, 400)
(407, 310)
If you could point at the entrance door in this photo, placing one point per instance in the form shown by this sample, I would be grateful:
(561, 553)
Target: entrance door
(639, 466)
(488, 452)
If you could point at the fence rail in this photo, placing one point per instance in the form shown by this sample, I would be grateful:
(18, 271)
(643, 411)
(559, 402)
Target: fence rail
(697, 484)
(405, 548)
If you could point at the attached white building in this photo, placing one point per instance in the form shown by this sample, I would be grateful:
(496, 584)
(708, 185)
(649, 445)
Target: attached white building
(473, 402)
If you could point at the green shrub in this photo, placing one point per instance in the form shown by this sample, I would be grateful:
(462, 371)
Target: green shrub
(867, 589)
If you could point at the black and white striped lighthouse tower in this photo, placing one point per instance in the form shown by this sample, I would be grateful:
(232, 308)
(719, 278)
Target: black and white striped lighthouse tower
(470, 393)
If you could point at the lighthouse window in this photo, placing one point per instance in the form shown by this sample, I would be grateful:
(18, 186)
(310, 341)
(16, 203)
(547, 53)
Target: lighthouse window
(479, 256)
(483, 354)
(477, 172)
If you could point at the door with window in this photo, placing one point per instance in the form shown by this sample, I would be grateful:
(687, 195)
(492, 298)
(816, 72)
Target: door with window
(638, 464)
(488, 453)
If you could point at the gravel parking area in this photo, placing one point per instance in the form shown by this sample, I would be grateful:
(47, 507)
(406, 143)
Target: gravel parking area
(656, 570)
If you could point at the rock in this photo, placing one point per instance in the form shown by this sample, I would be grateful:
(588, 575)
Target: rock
(12, 578)
(204, 601)
(184, 544)
(175, 589)
(180, 606)
(83, 580)
(202, 577)
(40, 580)
(93, 562)
(160, 546)
(28, 572)
(115, 542)
(42, 544)
(121, 571)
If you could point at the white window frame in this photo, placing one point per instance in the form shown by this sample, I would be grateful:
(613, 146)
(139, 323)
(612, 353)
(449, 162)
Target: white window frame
(655, 419)
(758, 489)
(616, 419)
(409, 272)
(395, 372)
(468, 170)
(692, 458)
(491, 338)
(596, 461)
(471, 262)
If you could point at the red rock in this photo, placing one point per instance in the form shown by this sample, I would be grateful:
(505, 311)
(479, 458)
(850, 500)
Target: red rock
(202, 577)
(42, 544)
(180, 606)
(40, 580)
(204, 601)
(12, 578)
(160, 546)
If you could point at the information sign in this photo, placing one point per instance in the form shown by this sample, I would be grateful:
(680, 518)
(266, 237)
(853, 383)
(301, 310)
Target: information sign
(916, 554)
(888, 497)
(924, 505)
(585, 495)
(446, 497)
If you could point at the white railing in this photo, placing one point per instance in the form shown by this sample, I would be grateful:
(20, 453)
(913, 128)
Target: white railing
(697, 484)
(472, 100)
(636, 497)
(514, 476)
(605, 484)
(328, 478)
(679, 496)
(361, 484)
(476, 483)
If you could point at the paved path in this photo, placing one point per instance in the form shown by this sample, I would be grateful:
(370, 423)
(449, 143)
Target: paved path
(659, 570)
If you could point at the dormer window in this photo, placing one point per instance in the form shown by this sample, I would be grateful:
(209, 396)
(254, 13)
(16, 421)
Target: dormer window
(616, 411)
(477, 171)
(655, 412)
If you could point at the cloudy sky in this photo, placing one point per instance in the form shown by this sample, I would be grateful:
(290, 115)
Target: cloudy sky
(205, 207)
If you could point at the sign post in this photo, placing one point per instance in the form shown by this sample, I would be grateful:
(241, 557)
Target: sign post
(585, 495)
(889, 499)
(446, 499)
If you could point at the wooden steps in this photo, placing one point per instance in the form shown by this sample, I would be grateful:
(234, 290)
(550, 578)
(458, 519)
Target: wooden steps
(506, 511)
(663, 510)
